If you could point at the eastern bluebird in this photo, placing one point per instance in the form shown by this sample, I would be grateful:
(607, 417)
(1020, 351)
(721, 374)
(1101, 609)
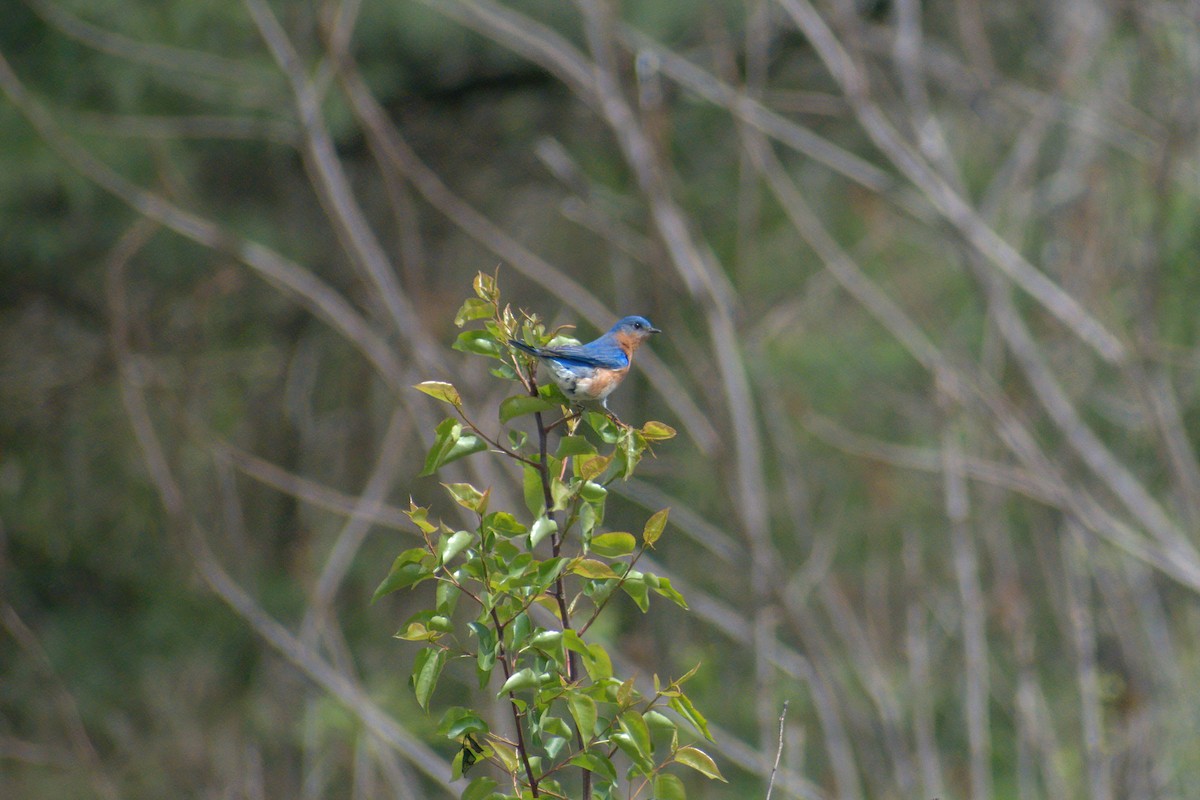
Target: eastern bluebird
(588, 373)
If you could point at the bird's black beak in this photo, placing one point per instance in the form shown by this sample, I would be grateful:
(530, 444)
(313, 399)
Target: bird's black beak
(655, 330)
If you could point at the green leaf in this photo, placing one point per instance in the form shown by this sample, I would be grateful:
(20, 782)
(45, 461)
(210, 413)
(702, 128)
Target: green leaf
(425, 626)
(504, 524)
(521, 628)
(427, 667)
(504, 372)
(593, 492)
(595, 762)
(532, 487)
(467, 444)
(547, 641)
(507, 756)
(420, 517)
(666, 787)
(560, 493)
(597, 663)
(634, 585)
(684, 708)
(521, 679)
(471, 309)
(446, 598)
(440, 390)
(629, 747)
(485, 654)
(583, 711)
(409, 568)
(551, 392)
(517, 439)
(700, 761)
(629, 452)
(417, 632)
(595, 657)
(660, 723)
(555, 726)
(594, 467)
(607, 430)
(657, 431)
(590, 515)
(455, 543)
(485, 287)
(468, 496)
(553, 745)
(450, 444)
(591, 568)
(613, 545)
(654, 527)
(547, 572)
(543, 527)
(481, 343)
(574, 446)
(522, 404)
(663, 586)
(573, 642)
(633, 723)
(459, 721)
(479, 789)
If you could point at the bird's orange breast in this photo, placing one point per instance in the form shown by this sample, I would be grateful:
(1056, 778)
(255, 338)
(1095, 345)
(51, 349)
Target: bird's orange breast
(628, 342)
(601, 383)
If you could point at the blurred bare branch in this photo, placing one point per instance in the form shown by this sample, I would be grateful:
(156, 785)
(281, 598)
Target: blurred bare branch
(953, 206)
(929, 342)
(173, 497)
(297, 282)
(83, 754)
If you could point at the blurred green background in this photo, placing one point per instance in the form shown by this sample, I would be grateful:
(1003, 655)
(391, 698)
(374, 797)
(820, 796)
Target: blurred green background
(959, 538)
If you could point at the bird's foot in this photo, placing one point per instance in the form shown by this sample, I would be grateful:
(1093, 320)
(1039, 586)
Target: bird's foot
(616, 420)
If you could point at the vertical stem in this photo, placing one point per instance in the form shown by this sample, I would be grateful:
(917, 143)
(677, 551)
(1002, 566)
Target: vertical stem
(1083, 631)
(966, 568)
(556, 541)
(522, 748)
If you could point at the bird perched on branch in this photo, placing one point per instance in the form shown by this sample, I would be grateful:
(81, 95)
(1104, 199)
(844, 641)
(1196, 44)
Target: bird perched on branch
(588, 373)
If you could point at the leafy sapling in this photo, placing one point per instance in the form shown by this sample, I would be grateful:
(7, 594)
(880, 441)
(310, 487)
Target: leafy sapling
(518, 590)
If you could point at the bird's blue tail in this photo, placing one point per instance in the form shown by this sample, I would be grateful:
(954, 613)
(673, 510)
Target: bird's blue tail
(533, 351)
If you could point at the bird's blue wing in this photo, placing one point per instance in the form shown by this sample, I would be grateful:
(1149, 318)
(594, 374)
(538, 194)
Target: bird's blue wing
(604, 356)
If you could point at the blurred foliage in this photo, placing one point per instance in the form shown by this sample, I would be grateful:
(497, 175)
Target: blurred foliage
(178, 695)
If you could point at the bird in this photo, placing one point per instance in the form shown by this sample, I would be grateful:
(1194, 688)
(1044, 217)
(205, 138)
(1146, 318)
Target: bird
(588, 373)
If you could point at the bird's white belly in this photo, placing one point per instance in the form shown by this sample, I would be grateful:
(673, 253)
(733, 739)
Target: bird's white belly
(583, 385)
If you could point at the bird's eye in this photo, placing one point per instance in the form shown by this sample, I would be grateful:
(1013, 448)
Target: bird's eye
(637, 325)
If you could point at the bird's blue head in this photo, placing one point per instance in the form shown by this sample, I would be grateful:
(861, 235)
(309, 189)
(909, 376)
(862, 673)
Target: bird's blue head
(630, 332)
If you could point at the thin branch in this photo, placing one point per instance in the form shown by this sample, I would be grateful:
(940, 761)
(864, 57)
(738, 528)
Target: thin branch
(311, 492)
(753, 113)
(1079, 435)
(295, 281)
(161, 57)
(347, 690)
(1015, 479)
(83, 751)
(975, 654)
(778, 753)
(518, 715)
(337, 196)
(868, 665)
(955, 209)
(1083, 629)
(350, 539)
(920, 673)
(188, 126)
(402, 158)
